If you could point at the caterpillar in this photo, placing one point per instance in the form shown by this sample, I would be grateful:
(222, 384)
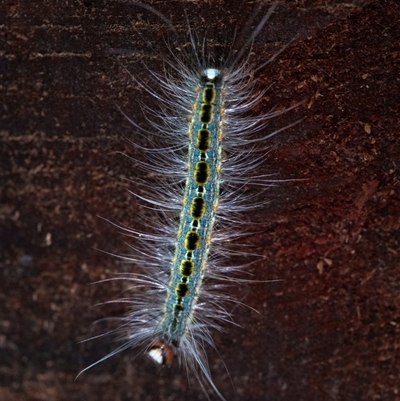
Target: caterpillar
(209, 147)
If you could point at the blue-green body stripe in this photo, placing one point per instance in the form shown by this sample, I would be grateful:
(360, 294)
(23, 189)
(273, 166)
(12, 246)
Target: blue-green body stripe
(179, 309)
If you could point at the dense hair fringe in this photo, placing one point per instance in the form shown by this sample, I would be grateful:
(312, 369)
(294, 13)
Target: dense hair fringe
(245, 145)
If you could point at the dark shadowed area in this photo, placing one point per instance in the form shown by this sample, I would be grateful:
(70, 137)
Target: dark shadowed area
(329, 330)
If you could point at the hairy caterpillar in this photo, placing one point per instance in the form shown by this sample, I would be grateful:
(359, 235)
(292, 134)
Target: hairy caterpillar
(185, 257)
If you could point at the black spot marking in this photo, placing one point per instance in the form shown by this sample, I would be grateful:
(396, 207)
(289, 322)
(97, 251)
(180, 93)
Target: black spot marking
(203, 139)
(177, 309)
(201, 173)
(198, 207)
(186, 268)
(181, 290)
(206, 113)
(192, 241)
(209, 93)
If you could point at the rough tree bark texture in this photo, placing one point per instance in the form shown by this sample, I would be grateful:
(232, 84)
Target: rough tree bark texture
(330, 330)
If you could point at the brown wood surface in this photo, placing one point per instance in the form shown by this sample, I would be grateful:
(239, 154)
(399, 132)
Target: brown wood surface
(330, 330)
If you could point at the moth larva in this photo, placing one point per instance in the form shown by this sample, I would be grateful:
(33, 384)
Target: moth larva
(208, 161)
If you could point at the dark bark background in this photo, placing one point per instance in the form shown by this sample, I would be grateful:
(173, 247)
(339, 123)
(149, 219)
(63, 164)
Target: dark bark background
(330, 330)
